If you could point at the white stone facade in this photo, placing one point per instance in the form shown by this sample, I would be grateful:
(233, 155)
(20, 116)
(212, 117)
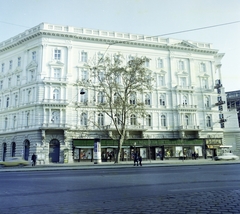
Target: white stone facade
(40, 76)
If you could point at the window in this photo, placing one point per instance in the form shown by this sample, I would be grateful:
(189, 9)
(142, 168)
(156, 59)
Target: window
(183, 81)
(100, 57)
(186, 120)
(57, 54)
(14, 122)
(13, 149)
(185, 100)
(133, 99)
(83, 97)
(133, 119)
(16, 100)
(161, 81)
(208, 121)
(147, 63)
(34, 55)
(57, 73)
(1, 84)
(207, 102)
(19, 61)
(31, 74)
(118, 78)
(55, 116)
(163, 120)
(100, 97)
(6, 123)
(84, 56)
(147, 99)
(56, 94)
(148, 120)
(84, 75)
(181, 65)
(100, 120)
(10, 64)
(118, 119)
(162, 100)
(9, 82)
(204, 83)
(159, 63)
(3, 67)
(203, 67)
(101, 76)
(18, 80)
(83, 119)
(7, 102)
(29, 95)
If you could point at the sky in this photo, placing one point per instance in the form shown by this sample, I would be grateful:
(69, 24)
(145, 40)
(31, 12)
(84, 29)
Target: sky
(149, 17)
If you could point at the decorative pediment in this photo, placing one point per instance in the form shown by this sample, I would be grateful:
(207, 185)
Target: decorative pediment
(17, 70)
(56, 63)
(162, 72)
(182, 73)
(185, 44)
(32, 64)
(204, 75)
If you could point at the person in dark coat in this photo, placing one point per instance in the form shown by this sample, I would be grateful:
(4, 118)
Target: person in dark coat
(140, 160)
(135, 159)
(34, 158)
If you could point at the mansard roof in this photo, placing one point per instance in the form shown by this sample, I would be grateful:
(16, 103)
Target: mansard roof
(106, 37)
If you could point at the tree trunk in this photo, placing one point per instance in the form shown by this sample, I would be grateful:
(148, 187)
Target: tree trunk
(120, 142)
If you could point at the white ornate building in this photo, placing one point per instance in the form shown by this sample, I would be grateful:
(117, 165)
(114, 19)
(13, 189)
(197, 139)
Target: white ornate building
(42, 111)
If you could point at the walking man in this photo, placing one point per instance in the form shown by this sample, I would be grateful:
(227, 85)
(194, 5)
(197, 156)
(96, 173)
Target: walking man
(34, 158)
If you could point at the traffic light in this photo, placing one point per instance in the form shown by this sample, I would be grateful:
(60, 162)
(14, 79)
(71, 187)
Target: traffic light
(220, 108)
(222, 125)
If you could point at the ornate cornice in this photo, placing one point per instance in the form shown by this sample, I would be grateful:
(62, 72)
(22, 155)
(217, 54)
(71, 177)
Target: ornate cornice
(105, 37)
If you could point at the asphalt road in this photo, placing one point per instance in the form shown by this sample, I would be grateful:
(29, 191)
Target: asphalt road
(181, 189)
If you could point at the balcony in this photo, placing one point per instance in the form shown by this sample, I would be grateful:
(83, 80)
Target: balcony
(189, 127)
(185, 88)
(183, 107)
(55, 79)
(55, 102)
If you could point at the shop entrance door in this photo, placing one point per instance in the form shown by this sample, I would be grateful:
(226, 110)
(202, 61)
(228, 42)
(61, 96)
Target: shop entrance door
(54, 151)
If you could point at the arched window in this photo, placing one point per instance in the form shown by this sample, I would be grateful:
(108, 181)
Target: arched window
(147, 99)
(162, 100)
(133, 119)
(133, 99)
(100, 97)
(56, 94)
(208, 121)
(149, 120)
(163, 120)
(83, 119)
(13, 149)
(100, 119)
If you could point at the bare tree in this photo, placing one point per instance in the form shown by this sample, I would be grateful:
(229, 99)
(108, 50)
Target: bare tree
(118, 83)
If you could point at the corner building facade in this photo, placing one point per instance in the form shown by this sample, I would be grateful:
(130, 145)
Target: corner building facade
(43, 112)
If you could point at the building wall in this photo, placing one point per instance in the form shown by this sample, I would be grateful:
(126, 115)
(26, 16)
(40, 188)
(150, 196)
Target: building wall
(41, 93)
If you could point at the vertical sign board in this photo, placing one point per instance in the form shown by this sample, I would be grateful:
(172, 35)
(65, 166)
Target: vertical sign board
(97, 151)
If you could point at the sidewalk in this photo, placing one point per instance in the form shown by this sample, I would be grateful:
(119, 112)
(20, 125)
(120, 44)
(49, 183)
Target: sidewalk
(122, 164)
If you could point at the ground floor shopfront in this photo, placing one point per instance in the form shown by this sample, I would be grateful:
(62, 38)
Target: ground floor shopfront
(150, 149)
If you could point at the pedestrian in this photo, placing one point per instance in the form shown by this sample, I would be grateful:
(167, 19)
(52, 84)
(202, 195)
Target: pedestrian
(140, 160)
(135, 159)
(34, 158)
